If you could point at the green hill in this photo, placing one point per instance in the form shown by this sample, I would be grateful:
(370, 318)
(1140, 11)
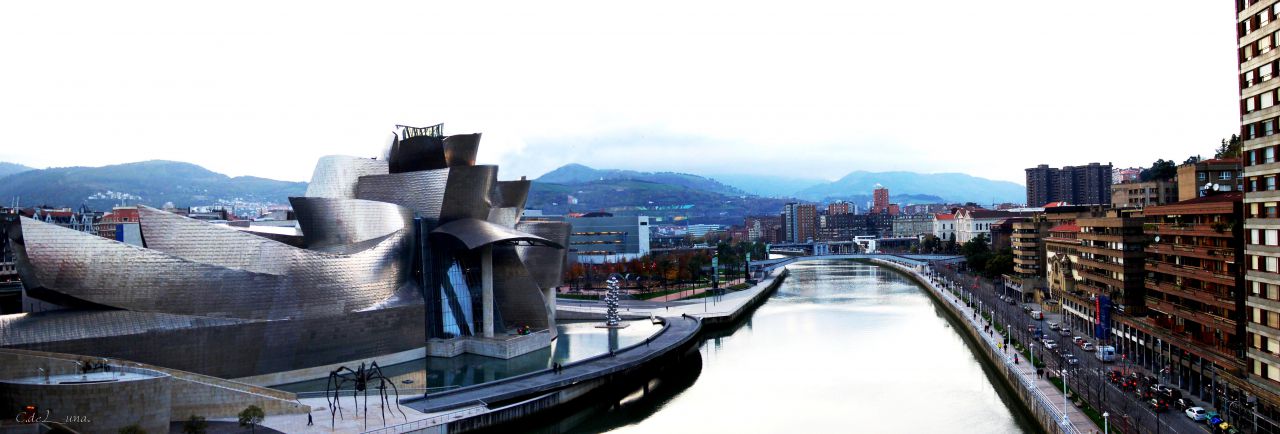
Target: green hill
(149, 182)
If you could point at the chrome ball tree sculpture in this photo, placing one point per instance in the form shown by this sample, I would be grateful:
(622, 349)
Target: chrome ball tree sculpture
(359, 381)
(611, 318)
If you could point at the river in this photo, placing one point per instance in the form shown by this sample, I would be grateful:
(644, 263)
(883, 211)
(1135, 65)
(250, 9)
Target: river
(842, 346)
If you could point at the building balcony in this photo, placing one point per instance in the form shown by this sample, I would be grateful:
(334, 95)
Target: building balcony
(1094, 236)
(1201, 230)
(1219, 352)
(1109, 266)
(1185, 313)
(1105, 281)
(1224, 254)
(1194, 273)
(1203, 296)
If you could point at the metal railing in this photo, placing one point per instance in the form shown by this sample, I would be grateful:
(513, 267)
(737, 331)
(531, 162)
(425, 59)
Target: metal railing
(479, 408)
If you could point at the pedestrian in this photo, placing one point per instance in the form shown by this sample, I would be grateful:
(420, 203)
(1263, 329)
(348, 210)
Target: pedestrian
(309, 423)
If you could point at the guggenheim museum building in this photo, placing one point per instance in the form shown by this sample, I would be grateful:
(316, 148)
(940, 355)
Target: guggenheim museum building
(422, 252)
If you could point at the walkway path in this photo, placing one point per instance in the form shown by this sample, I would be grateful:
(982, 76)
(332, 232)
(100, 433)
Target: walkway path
(715, 308)
(1046, 392)
(676, 332)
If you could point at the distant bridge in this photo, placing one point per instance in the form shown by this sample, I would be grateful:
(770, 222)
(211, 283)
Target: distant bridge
(771, 264)
(864, 244)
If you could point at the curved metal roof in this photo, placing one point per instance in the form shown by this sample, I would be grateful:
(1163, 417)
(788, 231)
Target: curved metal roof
(476, 233)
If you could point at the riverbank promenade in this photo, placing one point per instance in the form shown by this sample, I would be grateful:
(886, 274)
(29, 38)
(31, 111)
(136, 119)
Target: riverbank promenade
(1046, 395)
(711, 309)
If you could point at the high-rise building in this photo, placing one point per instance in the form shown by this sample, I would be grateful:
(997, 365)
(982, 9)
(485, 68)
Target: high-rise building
(800, 222)
(837, 208)
(1076, 185)
(1193, 323)
(1258, 120)
(879, 199)
(1095, 266)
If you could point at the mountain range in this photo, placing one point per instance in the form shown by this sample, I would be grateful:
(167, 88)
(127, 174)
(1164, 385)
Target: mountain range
(905, 187)
(671, 196)
(154, 183)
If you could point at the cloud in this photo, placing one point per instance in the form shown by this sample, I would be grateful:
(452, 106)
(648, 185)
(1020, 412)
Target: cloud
(806, 87)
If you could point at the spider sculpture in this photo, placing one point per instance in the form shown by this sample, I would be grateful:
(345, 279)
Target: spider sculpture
(358, 381)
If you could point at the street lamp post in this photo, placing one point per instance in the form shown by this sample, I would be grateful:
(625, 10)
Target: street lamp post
(1064, 394)
(1106, 423)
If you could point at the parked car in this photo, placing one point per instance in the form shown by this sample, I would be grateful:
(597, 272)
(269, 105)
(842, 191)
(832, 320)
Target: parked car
(1072, 360)
(1064, 330)
(1182, 404)
(1196, 413)
(1078, 340)
(1087, 346)
(1158, 405)
(1050, 344)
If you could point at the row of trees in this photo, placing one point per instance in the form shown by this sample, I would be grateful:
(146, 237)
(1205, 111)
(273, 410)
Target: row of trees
(665, 269)
(977, 252)
(1166, 169)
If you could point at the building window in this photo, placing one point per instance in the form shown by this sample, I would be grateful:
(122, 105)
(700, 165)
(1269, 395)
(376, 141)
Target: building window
(1268, 155)
(1202, 176)
(1224, 176)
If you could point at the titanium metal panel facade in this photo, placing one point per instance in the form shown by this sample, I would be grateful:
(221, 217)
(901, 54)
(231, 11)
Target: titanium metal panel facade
(545, 264)
(335, 176)
(328, 223)
(475, 234)
(441, 195)
(388, 256)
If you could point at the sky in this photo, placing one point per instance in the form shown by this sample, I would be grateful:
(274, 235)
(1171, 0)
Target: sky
(797, 88)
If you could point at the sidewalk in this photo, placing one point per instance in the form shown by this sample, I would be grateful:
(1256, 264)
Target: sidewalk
(1053, 395)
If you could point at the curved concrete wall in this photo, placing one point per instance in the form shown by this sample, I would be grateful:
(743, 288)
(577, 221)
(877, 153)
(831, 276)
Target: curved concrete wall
(96, 407)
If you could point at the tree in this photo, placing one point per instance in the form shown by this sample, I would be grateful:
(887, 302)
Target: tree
(1192, 159)
(1161, 170)
(195, 425)
(251, 416)
(1229, 148)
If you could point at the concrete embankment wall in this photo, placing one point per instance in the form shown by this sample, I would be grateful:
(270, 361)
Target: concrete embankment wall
(190, 394)
(1045, 418)
(771, 286)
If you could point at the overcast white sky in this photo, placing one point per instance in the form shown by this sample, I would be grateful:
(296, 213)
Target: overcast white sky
(803, 88)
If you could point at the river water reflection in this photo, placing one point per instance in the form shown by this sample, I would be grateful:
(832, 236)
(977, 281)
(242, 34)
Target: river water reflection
(841, 347)
(576, 341)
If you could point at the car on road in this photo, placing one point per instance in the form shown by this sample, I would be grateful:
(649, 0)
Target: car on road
(1183, 404)
(1197, 414)
(1158, 405)
(1050, 344)
(1037, 315)
(1072, 360)
(1053, 325)
(1064, 330)
(1086, 346)
(1078, 340)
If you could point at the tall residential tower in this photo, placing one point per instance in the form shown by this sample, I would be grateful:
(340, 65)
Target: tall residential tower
(1257, 32)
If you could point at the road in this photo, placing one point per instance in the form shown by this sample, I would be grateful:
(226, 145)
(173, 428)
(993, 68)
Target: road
(1088, 378)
